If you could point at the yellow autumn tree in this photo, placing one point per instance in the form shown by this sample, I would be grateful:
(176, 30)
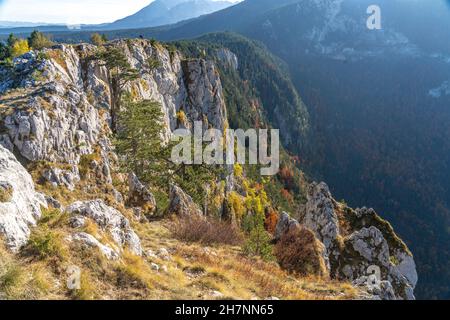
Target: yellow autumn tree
(19, 48)
(237, 203)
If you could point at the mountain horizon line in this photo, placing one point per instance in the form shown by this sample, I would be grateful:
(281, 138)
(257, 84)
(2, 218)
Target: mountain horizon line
(167, 4)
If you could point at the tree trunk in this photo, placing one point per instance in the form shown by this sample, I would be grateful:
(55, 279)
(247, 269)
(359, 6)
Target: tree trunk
(115, 104)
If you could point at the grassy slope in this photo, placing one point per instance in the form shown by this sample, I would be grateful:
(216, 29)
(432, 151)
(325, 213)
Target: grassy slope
(193, 272)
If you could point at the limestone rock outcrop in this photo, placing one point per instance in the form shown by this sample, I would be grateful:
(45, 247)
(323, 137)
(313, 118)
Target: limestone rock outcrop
(228, 58)
(109, 220)
(181, 204)
(59, 177)
(285, 224)
(90, 241)
(321, 217)
(355, 242)
(55, 121)
(20, 204)
(64, 101)
(205, 101)
(139, 195)
(56, 115)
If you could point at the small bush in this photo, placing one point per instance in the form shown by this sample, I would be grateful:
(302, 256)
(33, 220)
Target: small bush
(53, 217)
(4, 51)
(205, 231)
(258, 240)
(162, 201)
(238, 170)
(299, 251)
(85, 163)
(181, 117)
(41, 56)
(45, 243)
(236, 203)
(19, 48)
(153, 63)
(98, 39)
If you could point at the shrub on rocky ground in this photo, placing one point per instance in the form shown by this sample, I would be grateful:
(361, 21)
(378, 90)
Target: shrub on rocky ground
(205, 231)
(299, 251)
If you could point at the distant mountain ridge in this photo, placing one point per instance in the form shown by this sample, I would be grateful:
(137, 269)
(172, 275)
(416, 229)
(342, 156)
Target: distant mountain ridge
(162, 12)
(157, 13)
(21, 24)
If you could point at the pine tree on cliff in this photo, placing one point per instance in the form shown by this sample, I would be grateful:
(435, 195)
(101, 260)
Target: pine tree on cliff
(38, 41)
(120, 73)
(138, 139)
(140, 127)
(11, 40)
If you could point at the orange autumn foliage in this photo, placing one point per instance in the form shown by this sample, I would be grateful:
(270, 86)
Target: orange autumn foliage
(270, 223)
(287, 195)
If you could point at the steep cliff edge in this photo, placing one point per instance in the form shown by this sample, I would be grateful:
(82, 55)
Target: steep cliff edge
(356, 241)
(55, 108)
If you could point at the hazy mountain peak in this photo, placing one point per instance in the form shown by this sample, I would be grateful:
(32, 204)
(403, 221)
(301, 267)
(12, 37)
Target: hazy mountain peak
(169, 3)
(161, 12)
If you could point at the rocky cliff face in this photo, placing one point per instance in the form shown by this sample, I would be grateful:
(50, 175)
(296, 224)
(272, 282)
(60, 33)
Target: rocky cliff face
(55, 114)
(20, 204)
(55, 119)
(356, 242)
(55, 103)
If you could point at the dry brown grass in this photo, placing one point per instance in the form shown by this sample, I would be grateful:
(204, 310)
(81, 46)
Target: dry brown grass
(22, 280)
(196, 270)
(205, 260)
(205, 231)
(239, 277)
(193, 272)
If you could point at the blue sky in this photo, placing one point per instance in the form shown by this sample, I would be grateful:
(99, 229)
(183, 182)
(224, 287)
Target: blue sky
(68, 11)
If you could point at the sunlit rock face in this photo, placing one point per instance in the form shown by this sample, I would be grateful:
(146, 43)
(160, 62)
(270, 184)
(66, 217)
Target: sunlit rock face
(355, 242)
(56, 111)
(20, 204)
